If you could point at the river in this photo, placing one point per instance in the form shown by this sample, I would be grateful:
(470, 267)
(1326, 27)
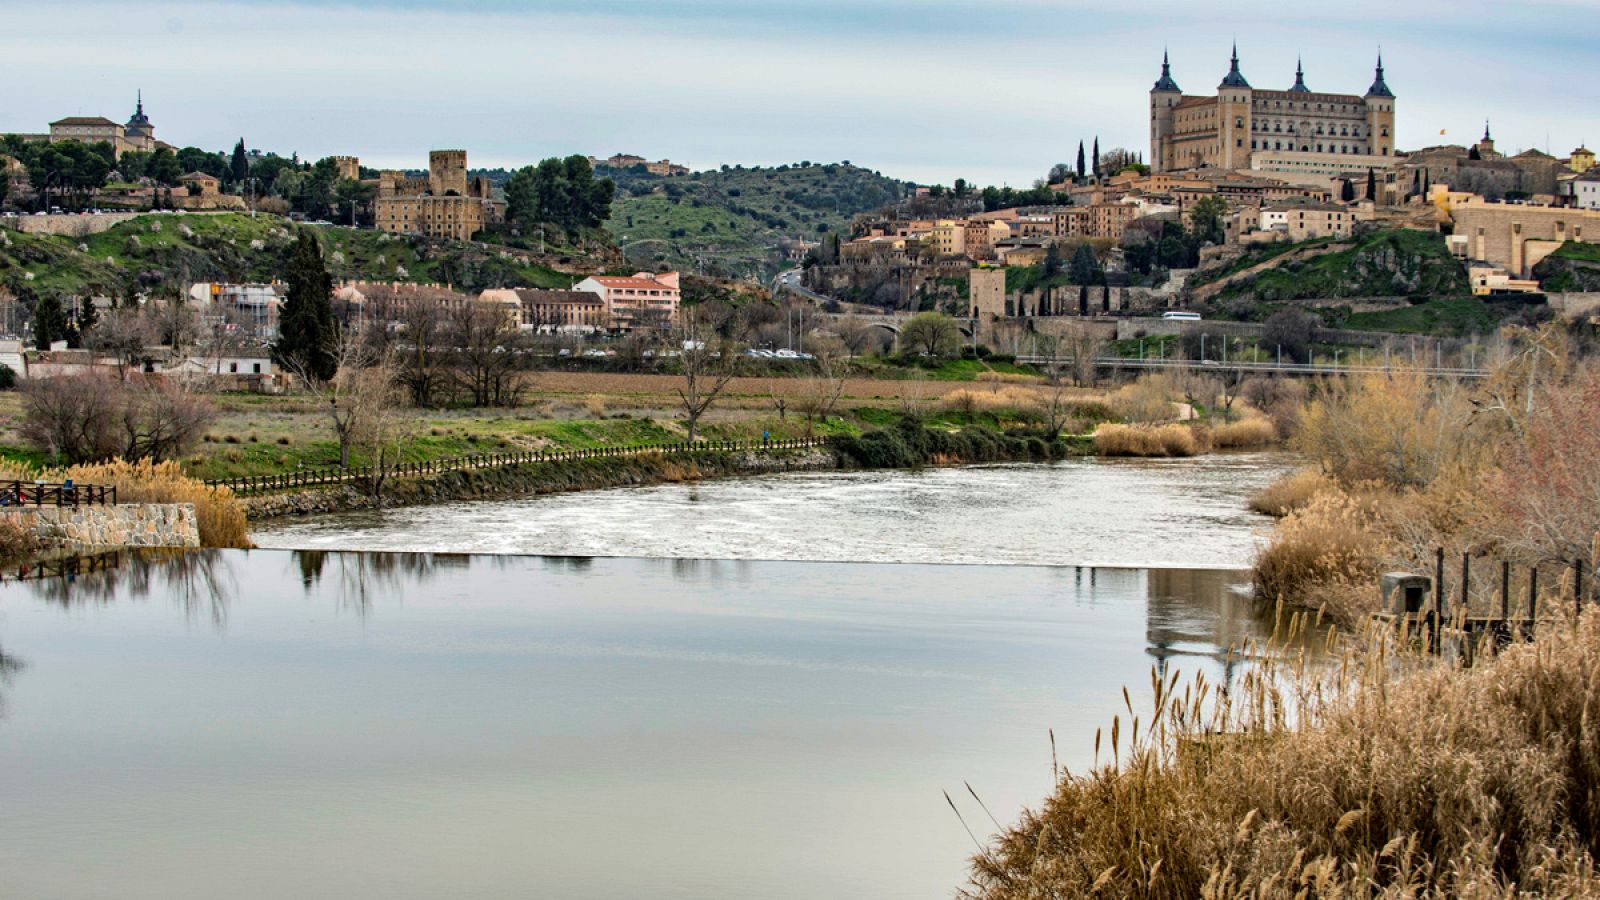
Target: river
(307, 723)
(1142, 513)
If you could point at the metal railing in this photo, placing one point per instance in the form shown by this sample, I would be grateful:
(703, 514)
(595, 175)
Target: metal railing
(41, 493)
(329, 475)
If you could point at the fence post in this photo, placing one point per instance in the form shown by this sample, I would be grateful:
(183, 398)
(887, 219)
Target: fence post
(1438, 598)
(1505, 594)
(1577, 590)
(1533, 596)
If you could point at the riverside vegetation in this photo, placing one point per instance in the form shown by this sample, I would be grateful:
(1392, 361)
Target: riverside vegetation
(1376, 770)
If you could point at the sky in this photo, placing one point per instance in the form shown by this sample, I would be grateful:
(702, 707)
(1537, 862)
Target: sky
(926, 90)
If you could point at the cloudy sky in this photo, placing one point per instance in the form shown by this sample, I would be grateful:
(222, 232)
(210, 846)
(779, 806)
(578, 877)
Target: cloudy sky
(991, 90)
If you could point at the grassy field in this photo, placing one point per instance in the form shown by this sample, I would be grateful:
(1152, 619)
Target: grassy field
(258, 434)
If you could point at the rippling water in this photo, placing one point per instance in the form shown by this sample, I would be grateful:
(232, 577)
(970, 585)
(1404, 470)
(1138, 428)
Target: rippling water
(1136, 513)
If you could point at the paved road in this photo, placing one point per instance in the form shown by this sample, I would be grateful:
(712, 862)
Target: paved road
(1267, 368)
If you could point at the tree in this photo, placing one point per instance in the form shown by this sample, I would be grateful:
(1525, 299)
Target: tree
(239, 165)
(708, 361)
(1372, 185)
(308, 336)
(824, 384)
(1052, 260)
(90, 418)
(361, 402)
(484, 353)
(123, 334)
(1291, 330)
(1097, 156)
(561, 192)
(1347, 191)
(163, 167)
(1473, 154)
(931, 334)
(855, 334)
(49, 322)
(1085, 268)
(1082, 163)
(1206, 220)
(1060, 173)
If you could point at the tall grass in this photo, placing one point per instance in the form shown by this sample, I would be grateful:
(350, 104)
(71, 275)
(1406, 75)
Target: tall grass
(1146, 440)
(218, 514)
(1330, 542)
(1289, 493)
(1381, 775)
(1245, 434)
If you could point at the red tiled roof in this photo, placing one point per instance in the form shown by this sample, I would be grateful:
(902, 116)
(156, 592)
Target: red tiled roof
(614, 281)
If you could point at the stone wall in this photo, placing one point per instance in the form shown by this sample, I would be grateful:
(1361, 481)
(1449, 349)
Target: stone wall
(128, 525)
(1574, 305)
(69, 226)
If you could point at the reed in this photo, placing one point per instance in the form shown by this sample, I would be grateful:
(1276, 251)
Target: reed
(218, 514)
(1380, 774)
(1146, 440)
(1245, 434)
(1289, 493)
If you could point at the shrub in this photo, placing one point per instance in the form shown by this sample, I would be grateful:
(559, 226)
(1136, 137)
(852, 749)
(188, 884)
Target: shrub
(1146, 440)
(16, 542)
(1332, 540)
(94, 418)
(1145, 400)
(1243, 434)
(1289, 493)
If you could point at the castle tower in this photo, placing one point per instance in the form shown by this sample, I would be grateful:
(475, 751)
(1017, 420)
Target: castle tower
(139, 131)
(1380, 115)
(1486, 146)
(447, 173)
(1235, 100)
(1163, 97)
(1299, 78)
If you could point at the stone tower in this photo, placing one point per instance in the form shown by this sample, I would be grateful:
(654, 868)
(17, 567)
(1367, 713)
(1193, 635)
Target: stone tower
(447, 173)
(1234, 104)
(1380, 115)
(1163, 97)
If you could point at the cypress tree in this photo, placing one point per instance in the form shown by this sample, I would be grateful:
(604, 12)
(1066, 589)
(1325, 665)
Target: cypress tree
(88, 316)
(1097, 156)
(1082, 168)
(49, 322)
(1372, 185)
(307, 332)
(239, 167)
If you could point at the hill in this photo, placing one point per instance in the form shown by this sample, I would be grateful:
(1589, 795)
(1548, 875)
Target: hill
(164, 252)
(736, 220)
(1385, 263)
(1573, 267)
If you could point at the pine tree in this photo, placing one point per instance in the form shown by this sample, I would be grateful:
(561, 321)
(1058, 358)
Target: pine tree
(49, 322)
(239, 167)
(307, 332)
(1082, 167)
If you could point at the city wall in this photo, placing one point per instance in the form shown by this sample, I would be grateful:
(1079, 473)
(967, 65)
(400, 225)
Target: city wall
(68, 226)
(129, 525)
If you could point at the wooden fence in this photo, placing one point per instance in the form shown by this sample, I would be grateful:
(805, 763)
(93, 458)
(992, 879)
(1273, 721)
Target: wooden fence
(308, 478)
(39, 493)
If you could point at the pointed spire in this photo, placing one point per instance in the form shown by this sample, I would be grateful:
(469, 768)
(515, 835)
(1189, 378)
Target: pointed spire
(1165, 82)
(139, 110)
(1235, 78)
(1299, 79)
(1379, 88)
(1486, 137)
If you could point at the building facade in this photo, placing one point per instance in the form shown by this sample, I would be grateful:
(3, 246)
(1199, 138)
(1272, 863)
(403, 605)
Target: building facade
(138, 134)
(643, 300)
(443, 205)
(1230, 129)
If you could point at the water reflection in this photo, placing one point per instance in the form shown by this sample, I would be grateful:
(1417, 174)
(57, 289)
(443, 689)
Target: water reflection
(514, 720)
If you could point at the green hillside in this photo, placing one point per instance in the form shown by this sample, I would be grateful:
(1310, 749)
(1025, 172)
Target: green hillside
(167, 251)
(733, 220)
(1398, 263)
(1573, 267)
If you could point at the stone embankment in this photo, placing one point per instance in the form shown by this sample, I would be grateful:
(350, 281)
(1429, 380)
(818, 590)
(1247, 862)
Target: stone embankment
(547, 477)
(129, 525)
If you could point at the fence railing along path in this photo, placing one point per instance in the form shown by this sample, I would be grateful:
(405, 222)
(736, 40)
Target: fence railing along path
(308, 478)
(40, 493)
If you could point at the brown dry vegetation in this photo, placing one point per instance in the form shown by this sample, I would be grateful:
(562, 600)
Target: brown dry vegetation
(1146, 440)
(1290, 493)
(220, 518)
(1385, 776)
(1246, 434)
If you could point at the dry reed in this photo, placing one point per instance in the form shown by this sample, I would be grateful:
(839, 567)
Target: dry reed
(1146, 440)
(220, 518)
(1244, 434)
(1380, 774)
(1289, 493)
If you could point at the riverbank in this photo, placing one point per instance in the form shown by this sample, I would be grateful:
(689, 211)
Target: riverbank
(535, 478)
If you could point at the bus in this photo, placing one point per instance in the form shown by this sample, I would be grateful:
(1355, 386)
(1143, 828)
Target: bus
(1180, 316)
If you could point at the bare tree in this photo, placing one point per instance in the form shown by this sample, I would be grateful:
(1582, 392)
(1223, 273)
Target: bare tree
(486, 353)
(709, 361)
(825, 384)
(360, 393)
(855, 334)
(174, 323)
(161, 419)
(123, 334)
(421, 368)
(91, 418)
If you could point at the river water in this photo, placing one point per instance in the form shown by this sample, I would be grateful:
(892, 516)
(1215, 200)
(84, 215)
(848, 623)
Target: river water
(306, 723)
(1165, 513)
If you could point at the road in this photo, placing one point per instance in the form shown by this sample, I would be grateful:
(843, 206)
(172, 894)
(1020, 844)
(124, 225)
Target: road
(1265, 368)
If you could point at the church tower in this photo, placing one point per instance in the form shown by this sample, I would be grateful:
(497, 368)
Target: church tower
(1163, 97)
(1235, 101)
(1380, 115)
